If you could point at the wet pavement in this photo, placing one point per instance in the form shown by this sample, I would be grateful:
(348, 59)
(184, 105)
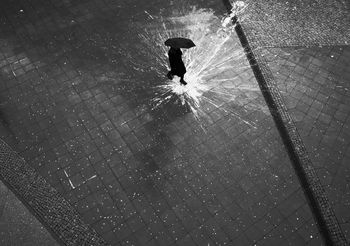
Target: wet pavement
(298, 23)
(17, 225)
(306, 48)
(315, 85)
(85, 100)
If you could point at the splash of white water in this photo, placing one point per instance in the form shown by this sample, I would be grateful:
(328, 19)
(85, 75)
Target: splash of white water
(238, 8)
(212, 66)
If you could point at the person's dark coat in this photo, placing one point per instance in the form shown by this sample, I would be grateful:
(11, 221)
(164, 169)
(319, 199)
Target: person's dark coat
(176, 64)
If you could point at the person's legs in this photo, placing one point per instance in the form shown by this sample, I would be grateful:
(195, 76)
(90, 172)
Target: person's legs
(170, 75)
(182, 81)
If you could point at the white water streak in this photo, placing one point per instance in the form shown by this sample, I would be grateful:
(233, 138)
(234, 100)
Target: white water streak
(214, 65)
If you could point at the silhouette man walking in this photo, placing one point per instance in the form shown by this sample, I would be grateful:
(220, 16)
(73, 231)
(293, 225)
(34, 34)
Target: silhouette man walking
(176, 65)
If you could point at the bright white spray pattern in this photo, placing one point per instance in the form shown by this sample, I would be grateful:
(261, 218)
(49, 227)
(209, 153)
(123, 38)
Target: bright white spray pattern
(213, 66)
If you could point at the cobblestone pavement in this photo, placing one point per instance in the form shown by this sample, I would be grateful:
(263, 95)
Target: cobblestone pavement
(17, 225)
(70, 104)
(315, 85)
(298, 23)
(314, 81)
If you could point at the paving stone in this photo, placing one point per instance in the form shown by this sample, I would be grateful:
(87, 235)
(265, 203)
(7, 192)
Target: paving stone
(14, 216)
(148, 163)
(324, 119)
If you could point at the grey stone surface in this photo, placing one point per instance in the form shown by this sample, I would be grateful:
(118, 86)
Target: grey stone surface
(18, 227)
(277, 23)
(282, 35)
(314, 83)
(44, 202)
(78, 108)
(313, 188)
(76, 86)
(291, 26)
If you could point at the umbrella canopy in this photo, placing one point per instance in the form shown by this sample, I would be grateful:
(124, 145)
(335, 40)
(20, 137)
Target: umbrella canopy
(179, 43)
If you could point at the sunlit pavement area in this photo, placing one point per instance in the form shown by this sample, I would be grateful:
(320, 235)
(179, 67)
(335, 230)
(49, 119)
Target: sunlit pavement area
(85, 101)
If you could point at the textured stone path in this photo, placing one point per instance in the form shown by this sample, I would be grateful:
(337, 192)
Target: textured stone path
(17, 225)
(75, 107)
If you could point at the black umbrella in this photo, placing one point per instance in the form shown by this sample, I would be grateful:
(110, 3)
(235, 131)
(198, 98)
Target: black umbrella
(179, 43)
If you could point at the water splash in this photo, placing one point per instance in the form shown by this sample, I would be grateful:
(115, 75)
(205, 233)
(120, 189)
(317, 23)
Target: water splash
(213, 66)
(237, 10)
